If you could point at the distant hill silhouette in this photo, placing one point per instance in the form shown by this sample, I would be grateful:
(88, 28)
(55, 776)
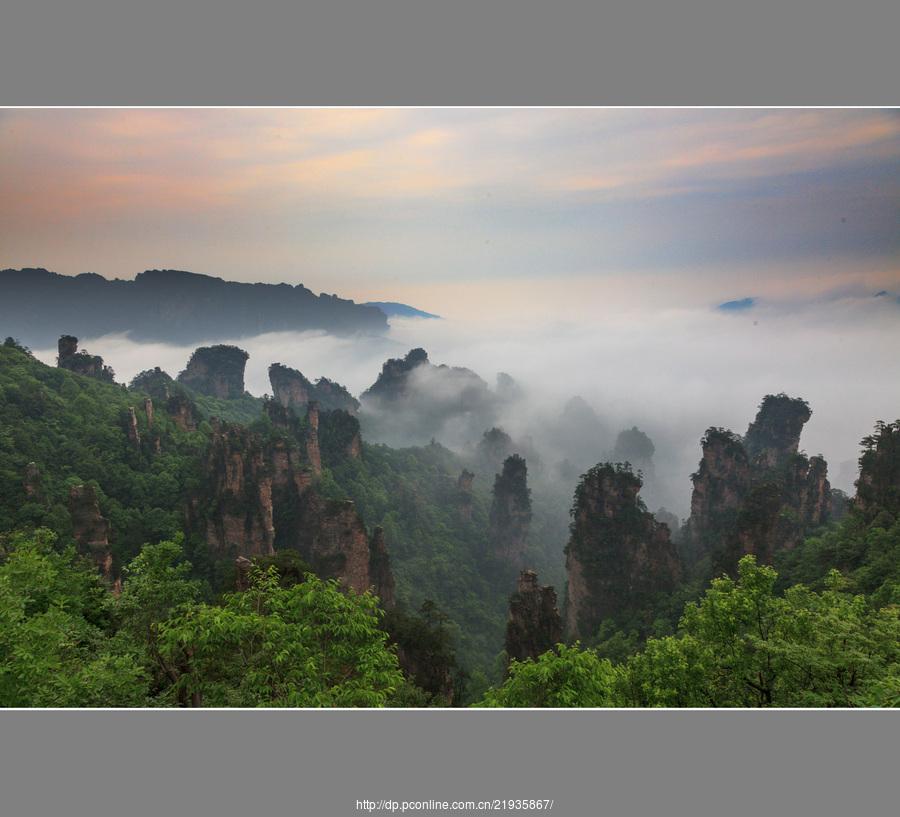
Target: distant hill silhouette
(36, 306)
(394, 310)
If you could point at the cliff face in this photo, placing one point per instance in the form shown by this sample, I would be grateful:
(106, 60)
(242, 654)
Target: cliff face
(217, 371)
(260, 494)
(534, 625)
(464, 499)
(235, 508)
(618, 556)
(774, 435)
(381, 577)
(332, 538)
(393, 380)
(293, 390)
(81, 362)
(289, 387)
(510, 517)
(878, 486)
(758, 494)
(721, 484)
(90, 529)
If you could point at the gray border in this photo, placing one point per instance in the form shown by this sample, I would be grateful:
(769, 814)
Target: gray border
(100, 52)
(621, 764)
(412, 52)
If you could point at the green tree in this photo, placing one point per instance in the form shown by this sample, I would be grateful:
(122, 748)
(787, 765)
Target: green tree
(743, 645)
(306, 645)
(568, 676)
(54, 621)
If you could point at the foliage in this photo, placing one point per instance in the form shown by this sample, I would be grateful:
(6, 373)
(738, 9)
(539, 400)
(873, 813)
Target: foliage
(54, 619)
(567, 676)
(306, 645)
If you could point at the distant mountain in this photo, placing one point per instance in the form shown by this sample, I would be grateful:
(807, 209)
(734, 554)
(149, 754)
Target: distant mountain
(36, 306)
(395, 310)
(737, 306)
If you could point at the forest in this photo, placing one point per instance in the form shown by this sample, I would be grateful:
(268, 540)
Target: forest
(178, 541)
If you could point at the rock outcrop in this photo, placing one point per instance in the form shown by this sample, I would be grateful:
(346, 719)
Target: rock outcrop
(774, 435)
(534, 625)
(618, 557)
(464, 498)
(234, 509)
(260, 495)
(289, 387)
(878, 486)
(414, 401)
(510, 517)
(757, 494)
(217, 371)
(293, 390)
(721, 484)
(81, 362)
(90, 529)
(392, 383)
(131, 428)
(331, 537)
(381, 577)
(32, 481)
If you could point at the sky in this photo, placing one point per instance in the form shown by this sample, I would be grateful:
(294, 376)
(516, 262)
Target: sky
(583, 251)
(464, 212)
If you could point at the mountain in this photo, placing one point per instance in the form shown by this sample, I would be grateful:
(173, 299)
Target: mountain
(395, 310)
(168, 305)
(737, 306)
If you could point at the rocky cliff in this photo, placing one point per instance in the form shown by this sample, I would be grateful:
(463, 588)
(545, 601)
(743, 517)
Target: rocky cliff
(774, 435)
(217, 371)
(878, 486)
(81, 362)
(464, 499)
(331, 537)
(234, 509)
(721, 484)
(293, 390)
(510, 517)
(618, 557)
(260, 494)
(534, 624)
(757, 494)
(90, 529)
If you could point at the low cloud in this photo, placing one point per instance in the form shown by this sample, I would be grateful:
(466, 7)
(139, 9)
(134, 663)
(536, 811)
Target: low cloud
(673, 373)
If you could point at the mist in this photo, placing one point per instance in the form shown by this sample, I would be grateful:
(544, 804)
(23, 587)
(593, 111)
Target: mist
(671, 372)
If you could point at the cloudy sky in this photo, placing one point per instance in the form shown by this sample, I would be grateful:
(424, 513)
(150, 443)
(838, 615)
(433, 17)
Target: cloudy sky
(464, 212)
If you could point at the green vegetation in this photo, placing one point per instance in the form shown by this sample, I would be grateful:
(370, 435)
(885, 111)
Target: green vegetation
(820, 628)
(66, 641)
(741, 645)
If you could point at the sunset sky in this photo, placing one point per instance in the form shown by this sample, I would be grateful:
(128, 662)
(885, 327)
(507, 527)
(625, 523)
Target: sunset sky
(462, 210)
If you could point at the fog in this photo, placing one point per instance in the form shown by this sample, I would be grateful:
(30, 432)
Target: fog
(672, 372)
